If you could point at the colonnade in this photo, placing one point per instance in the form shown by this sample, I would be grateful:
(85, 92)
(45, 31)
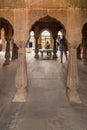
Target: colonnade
(72, 76)
(21, 76)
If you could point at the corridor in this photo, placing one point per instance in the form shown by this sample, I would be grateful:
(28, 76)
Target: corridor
(47, 106)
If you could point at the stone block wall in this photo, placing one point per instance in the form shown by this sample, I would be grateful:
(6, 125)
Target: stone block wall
(22, 14)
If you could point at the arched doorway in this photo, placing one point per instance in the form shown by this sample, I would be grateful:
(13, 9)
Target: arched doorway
(30, 42)
(44, 37)
(47, 23)
(6, 40)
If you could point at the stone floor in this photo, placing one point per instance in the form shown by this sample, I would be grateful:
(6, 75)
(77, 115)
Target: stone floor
(47, 107)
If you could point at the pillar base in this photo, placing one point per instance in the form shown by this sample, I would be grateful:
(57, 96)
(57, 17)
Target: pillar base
(85, 61)
(73, 97)
(6, 62)
(14, 58)
(20, 95)
(54, 56)
(36, 56)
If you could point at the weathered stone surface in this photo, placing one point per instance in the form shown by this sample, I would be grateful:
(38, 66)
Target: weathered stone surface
(21, 77)
(42, 3)
(22, 16)
(12, 4)
(47, 107)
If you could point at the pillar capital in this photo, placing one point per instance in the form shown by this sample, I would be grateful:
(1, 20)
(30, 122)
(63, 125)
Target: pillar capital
(55, 36)
(73, 45)
(21, 44)
(36, 36)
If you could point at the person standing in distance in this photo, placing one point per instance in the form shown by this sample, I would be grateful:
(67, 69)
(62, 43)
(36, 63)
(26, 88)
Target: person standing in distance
(63, 48)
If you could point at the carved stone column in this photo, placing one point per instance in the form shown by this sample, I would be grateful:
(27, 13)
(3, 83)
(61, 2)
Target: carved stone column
(36, 48)
(21, 76)
(14, 51)
(54, 48)
(7, 53)
(72, 79)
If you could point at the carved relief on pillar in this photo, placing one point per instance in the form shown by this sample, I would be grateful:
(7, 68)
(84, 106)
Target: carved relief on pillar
(21, 76)
(72, 79)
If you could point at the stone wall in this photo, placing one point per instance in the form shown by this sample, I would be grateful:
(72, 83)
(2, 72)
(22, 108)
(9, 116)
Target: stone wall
(22, 14)
(42, 3)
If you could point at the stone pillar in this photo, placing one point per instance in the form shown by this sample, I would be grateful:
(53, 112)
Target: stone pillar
(36, 48)
(7, 53)
(21, 77)
(84, 42)
(14, 51)
(72, 79)
(85, 55)
(54, 48)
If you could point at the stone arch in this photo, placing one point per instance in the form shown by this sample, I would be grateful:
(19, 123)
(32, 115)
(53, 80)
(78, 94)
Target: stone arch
(6, 32)
(62, 26)
(51, 35)
(7, 18)
(84, 30)
(50, 23)
(47, 30)
(7, 42)
(33, 18)
(4, 23)
(59, 18)
(37, 18)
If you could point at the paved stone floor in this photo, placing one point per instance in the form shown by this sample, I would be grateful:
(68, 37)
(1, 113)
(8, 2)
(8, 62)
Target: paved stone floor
(47, 107)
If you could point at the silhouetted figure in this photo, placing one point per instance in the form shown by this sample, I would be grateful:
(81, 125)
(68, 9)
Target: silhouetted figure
(47, 46)
(63, 48)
